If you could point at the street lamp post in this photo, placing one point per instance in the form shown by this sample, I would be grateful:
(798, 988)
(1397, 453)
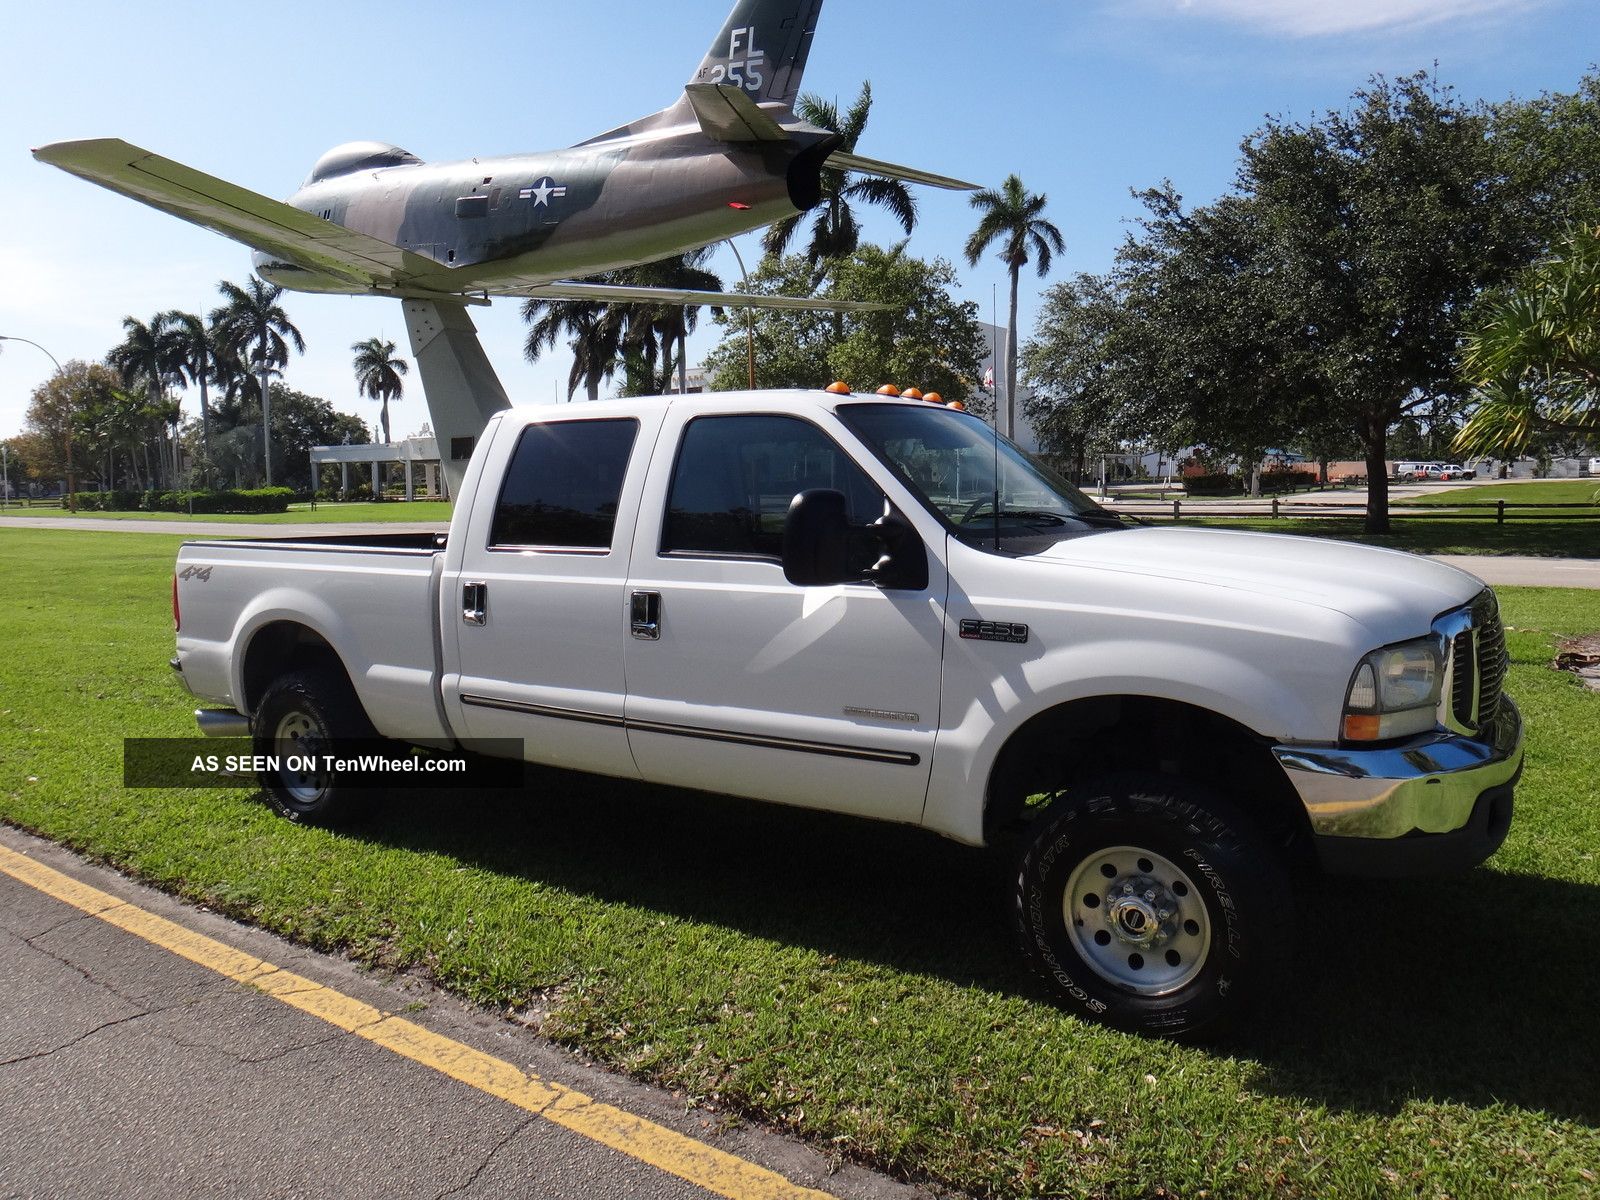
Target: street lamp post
(749, 319)
(72, 494)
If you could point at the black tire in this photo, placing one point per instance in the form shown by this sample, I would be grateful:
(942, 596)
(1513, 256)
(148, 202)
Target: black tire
(1148, 903)
(314, 711)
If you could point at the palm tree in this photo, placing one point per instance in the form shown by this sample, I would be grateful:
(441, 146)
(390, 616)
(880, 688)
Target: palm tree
(194, 343)
(151, 356)
(1534, 359)
(254, 326)
(378, 374)
(651, 331)
(1015, 218)
(835, 233)
(596, 331)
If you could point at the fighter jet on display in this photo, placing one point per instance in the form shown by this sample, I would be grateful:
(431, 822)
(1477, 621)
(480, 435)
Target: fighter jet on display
(727, 157)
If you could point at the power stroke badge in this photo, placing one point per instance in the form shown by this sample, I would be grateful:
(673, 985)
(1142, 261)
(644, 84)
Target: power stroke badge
(974, 630)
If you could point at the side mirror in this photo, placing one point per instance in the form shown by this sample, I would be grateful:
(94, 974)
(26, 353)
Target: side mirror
(905, 559)
(819, 546)
(816, 540)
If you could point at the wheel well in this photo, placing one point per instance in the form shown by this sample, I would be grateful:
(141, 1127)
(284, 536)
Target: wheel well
(279, 648)
(1087, 737)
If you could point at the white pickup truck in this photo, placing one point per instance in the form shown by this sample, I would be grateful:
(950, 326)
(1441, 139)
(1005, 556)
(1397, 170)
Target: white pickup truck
(870, 605)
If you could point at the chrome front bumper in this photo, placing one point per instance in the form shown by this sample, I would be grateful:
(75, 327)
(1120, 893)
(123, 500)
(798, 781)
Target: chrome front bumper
(1427, 805)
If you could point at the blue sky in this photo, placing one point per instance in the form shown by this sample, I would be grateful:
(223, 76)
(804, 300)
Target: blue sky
(1085, 99)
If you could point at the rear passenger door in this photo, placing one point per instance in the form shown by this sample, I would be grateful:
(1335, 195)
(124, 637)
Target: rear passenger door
(537, 609)
(741, 682)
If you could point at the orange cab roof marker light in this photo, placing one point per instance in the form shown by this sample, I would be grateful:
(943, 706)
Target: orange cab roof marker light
(888, 389)
(838, 388)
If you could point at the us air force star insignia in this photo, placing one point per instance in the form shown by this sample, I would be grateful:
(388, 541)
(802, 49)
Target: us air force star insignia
(541, 192)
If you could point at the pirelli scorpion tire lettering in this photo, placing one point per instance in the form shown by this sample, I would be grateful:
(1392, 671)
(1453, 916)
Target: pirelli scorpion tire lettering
(1149, 903)
(304, 715)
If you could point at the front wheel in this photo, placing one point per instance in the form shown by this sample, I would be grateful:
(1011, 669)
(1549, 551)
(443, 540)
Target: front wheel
(1148, 903)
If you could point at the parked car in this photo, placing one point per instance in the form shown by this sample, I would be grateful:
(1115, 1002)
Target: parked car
(1449, 471)
(875, 607)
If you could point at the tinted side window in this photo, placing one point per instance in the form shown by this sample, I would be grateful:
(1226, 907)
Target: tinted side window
(563, 485)
(736, 475)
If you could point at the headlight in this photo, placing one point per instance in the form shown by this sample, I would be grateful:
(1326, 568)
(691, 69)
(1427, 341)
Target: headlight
(1395, 692)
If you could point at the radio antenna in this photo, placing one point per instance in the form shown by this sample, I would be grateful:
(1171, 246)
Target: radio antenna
(994, 359)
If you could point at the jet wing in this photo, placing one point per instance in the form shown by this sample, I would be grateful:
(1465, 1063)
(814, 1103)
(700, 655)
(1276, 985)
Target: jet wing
(258, 221)
(871, 166)
(605, 293)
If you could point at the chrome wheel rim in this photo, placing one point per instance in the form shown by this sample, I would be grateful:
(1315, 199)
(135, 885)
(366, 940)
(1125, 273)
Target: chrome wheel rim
(297, 737)
(1137, 919)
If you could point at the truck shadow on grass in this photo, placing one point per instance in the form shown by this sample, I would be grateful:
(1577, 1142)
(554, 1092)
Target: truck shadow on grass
(1478, 989)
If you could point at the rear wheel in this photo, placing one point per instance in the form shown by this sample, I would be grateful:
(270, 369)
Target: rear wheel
(1151, 904)
(303, 716)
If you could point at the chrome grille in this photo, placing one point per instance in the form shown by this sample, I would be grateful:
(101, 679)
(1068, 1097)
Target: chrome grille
(1463, 677)
(1492, 657)
(1477, 667)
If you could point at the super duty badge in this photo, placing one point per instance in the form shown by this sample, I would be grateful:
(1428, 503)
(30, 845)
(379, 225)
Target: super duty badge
(993, 631)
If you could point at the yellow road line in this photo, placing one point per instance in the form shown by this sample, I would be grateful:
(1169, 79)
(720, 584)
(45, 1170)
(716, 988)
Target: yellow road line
(638, 1138)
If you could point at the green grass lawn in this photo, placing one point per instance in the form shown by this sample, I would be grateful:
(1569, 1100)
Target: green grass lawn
(298, 514)
(1435, 535)
(854, 983)
(1541, 491)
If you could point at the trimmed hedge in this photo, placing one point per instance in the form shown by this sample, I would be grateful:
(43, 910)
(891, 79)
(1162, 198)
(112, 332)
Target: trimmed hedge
(250, 500)
(108, 501)
(1287, 479)
(1212, 485)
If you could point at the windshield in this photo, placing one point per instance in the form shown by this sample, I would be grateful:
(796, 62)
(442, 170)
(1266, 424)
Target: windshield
(948, 458)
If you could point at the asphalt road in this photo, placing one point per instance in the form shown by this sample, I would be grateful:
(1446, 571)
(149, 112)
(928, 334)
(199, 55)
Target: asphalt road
(127, 1070)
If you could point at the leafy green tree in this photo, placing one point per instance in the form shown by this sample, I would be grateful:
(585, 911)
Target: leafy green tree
(791, 346)
(254, 327)
(378, 374)
(299, 422)
(1014, 218)
(923, 338)
(1533, 359)
(1088, 398)
(835, 231)
(58, 416)
(1386, 222)
(1549, 150)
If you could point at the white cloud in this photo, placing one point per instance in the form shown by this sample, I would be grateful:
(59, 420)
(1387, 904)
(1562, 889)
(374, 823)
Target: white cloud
(1319, 18)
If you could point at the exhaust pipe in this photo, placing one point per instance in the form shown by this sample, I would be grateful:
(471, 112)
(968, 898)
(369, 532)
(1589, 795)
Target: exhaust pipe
(222, 722)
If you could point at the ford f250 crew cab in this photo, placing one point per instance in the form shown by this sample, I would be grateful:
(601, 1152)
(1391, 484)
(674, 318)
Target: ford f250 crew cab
(873, 606)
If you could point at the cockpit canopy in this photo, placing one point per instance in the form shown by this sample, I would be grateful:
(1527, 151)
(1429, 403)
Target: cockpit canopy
(359, 156)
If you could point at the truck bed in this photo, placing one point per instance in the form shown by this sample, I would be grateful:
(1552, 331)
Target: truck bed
(373, 598)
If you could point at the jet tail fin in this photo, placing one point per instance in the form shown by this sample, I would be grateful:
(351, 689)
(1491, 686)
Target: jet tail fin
(762, 49)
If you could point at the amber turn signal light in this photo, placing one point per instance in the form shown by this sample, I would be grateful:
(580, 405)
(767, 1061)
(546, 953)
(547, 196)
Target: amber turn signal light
(1362, 727)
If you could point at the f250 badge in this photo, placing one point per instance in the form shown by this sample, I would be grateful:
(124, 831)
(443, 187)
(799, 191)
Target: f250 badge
(974, 630)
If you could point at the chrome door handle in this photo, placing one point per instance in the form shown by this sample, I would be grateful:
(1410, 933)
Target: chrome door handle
(475, 603)
(644, 616)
